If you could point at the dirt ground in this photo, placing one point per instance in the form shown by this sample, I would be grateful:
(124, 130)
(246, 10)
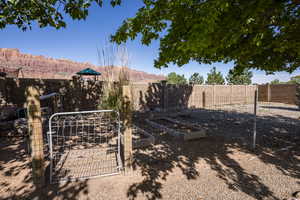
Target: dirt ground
(221, 166)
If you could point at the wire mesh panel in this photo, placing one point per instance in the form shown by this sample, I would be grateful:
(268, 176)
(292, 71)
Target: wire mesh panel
(226, 111)
(84, 145)
(232, 116)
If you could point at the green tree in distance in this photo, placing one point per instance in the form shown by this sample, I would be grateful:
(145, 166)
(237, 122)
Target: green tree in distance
(243, 78)
(174, 78)
(214, 77)
(196, 78)
(294, 80)
(275, 81)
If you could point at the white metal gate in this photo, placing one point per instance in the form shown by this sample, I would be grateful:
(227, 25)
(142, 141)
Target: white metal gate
(84, 145)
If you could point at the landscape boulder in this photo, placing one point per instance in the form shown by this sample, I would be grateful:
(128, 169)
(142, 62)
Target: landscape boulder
(8, 113)
(6, 125)
(20, 126)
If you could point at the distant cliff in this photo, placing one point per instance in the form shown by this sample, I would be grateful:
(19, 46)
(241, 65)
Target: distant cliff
(41, 67)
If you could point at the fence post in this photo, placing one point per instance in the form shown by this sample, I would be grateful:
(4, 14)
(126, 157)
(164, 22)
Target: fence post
(127, 150)
(35, 135)
(230, 95)
(203, 99)
(192, 104)
(164, 95)
(254, 123)
(213, 96)
(268, 92)
(245, 93)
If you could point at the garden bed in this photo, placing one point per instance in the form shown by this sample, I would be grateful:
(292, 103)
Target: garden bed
(140, 138)
(177, 128)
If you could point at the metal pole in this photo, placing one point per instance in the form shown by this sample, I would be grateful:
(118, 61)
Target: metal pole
(119, 142)
(49, 134)
(254, 125)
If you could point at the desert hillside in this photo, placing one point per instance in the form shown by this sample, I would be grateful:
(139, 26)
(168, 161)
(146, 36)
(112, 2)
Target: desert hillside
(32, 66)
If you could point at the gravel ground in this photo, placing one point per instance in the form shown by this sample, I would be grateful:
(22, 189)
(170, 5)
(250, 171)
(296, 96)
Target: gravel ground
(216, 167)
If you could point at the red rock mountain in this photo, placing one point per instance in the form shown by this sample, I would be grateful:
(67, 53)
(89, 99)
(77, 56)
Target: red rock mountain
(31, 66)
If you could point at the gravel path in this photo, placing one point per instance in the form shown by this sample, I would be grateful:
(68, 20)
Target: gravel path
(216, 167)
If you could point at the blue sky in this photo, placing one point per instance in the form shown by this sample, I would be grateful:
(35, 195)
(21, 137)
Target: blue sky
(80, 40)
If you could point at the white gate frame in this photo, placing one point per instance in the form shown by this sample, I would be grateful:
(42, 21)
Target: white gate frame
(119, 160)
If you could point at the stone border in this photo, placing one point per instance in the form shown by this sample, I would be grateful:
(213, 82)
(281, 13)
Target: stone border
(164, 128)
(178, 134)
(140, 143)
(183, 122)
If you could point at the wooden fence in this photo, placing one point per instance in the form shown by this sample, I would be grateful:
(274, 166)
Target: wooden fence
(282, 93)
(157, 96)
(79, 95)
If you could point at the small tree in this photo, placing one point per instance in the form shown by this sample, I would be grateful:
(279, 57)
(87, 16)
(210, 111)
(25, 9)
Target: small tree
(243, 78)
(115, 58)
(196, 78)
(214, 77)
(174, 78)
(294, 80)
(275, 81)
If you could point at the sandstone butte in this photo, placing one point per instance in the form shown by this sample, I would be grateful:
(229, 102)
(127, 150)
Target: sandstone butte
(32, 66)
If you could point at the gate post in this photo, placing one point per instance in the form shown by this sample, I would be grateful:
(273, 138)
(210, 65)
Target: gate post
(203, 99)
(254, 123)
(35, 134)
(164, 101)
(268, 92)
(127, 149)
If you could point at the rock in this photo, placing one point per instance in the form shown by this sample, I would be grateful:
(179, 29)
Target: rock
(296, 194)
(43, 67)
(20, 126)
(16, 127)
(8, 113)
(237, 122)
(8, 125)
(195, 135)
(157, 109)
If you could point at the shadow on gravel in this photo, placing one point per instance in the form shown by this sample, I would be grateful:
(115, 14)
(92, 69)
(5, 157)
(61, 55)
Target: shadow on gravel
(15, 161)
(281, 108)
(278, 142)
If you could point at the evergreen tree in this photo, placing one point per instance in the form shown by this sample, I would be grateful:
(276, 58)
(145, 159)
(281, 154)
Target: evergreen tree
(196, 78)
(215, 77)
(275, 81)
(174, 78)
(243, 78)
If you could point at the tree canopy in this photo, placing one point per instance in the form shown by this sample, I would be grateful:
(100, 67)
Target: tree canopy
(215, 77)
(196, 78)
(243, 78)
(258, 34)
(45, 12)
(174, 78)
